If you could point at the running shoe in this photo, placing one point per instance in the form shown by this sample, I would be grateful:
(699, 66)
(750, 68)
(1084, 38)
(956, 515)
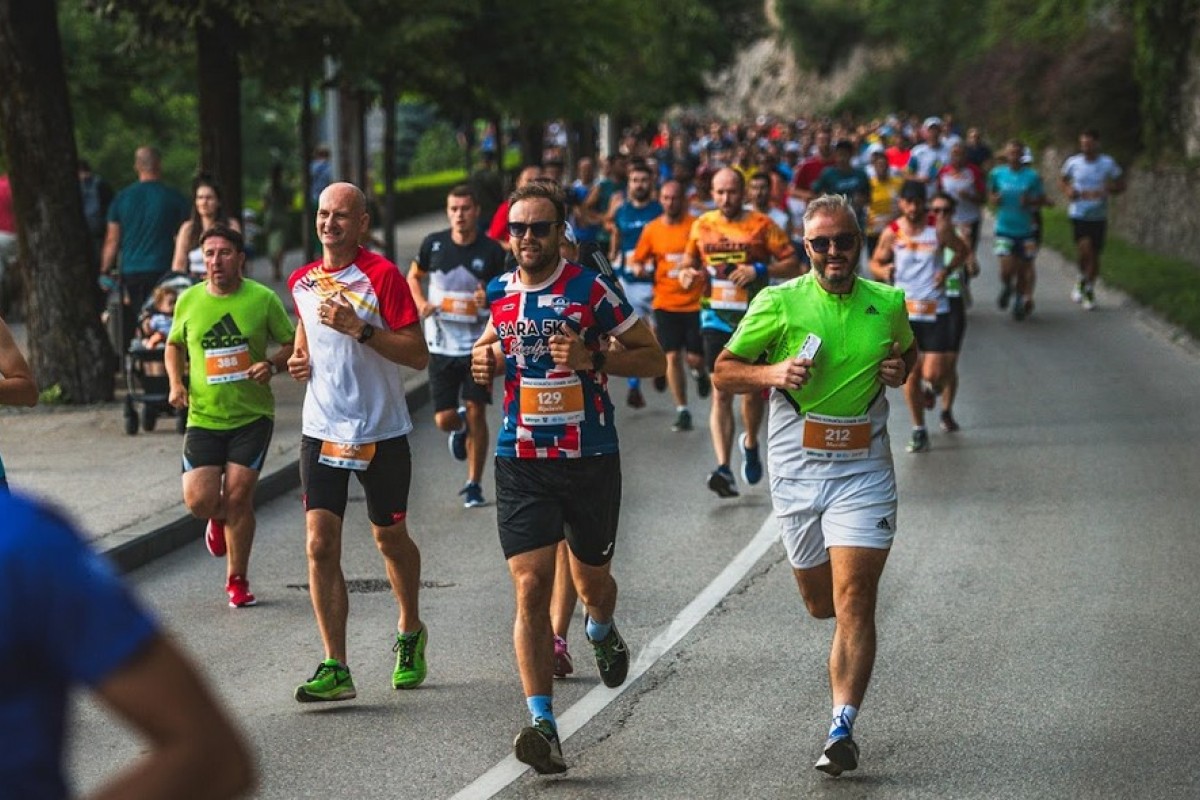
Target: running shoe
(949, 424)
(458, 438)
(703, 383)
(472, 495)
(537, 745)
(635, 398)
(752, 468)
(919, 443)
(683, 421)
(1089, 299)
(238, 589)
(1019, 309)
(720, 480)
(410, 659)
(1006, 294)
(214, 537)
(1077, 292)
(331, 681)
(660, 383)
(563, 665)
(612, 657)
(840, 753)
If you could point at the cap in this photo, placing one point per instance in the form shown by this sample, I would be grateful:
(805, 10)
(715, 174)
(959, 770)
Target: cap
(1027, 156)
(931, 122)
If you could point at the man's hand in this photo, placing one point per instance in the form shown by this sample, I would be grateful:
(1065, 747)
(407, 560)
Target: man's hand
(568, 350)
(260, 372)
(483, 364)
(425, 308)
(337, 313)
(688, 276)
(298, 366)
(791, 373)
(178, 397)
(743, 275)
(892, 371)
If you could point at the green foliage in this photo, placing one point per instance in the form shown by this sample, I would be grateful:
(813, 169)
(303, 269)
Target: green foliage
(1163, 35)
(822, 32)
(52, 396)
(437, 150)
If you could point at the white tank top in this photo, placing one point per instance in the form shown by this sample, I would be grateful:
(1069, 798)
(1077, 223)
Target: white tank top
(917, 259)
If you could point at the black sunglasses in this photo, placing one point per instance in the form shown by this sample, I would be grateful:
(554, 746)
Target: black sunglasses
(540, 229)
(844, 241)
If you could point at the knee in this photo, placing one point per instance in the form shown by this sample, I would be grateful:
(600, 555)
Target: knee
(239, 499)
(322, 547)
(447, 420)
(819, 608)
(202, 505)
(855, 604)
(393, 542)
(533, 591)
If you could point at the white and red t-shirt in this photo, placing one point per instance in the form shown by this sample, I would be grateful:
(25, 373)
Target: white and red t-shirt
(355, 395)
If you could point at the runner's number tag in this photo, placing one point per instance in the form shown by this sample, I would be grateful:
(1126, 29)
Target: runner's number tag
(837, 438)
(227, 364)
(551, 401)
(346, 456)
(921, 310)
(459, 307)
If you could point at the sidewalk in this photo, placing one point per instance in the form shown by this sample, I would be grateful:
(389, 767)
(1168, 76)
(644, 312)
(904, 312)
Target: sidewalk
(125, 490)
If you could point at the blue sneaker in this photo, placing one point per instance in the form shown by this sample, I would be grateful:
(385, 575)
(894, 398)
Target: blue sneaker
(472, 495)
(840, 753)
(458, 438)
(752, 469)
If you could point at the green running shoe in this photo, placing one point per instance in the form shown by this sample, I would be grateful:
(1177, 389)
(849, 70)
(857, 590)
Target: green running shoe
(537, 745)
(612, 657)
(410, 659)
(331, 681)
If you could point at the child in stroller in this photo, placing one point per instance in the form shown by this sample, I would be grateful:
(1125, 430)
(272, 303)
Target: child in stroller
(145, 373)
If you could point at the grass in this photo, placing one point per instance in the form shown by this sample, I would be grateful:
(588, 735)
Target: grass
(1169, 286)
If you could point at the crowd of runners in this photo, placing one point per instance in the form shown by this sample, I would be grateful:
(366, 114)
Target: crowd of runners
(790, 271)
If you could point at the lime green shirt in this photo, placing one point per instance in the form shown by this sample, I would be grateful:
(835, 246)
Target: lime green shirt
(224, 335)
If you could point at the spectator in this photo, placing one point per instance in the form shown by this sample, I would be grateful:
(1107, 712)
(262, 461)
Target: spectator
(17, 387)
(97, 197)
(207, 210)
(142, 223)
(95, 634)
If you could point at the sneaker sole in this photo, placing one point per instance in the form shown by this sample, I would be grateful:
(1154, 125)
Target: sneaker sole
(721, 487)
(473, 504)
(839, 757)
(305, 697)
(244, 604)
(531, 747)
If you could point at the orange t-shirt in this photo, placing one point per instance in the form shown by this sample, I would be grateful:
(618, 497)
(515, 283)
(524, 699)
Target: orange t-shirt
(722, 246)
(665, 243)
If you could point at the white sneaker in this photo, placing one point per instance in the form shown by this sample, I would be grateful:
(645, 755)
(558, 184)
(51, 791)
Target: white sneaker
(1077, 292)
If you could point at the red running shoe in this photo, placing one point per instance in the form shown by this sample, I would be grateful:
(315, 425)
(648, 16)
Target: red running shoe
(214, 537)
(563, 665)
(238, 589)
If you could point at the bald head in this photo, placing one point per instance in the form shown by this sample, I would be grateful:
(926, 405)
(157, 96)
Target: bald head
(729, 192)
(147, 162)
(341, 221)
(347, 195)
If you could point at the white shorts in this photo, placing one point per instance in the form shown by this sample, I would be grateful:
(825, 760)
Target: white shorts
(854, 511)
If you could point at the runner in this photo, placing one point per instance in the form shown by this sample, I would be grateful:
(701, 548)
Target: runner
(1015, 189)
(926, 159)
(964, 183)
(557, 460)
(358, 322)
(885, 197)
(1088, 178)
(835, 502)
(842, 177)
(734, 246)
(628, 219)
(957, 288)
(457, 264)
(221, 327)
(910, 255)
(676, 306)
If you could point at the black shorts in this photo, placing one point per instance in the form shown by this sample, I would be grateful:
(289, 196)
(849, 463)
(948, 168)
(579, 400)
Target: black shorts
(1094, 229)
(714, 343)
(246, 446)
(385, 481)
(450, 379)
(935, 337)
(540, 501)
(958, 323)
(678, 330)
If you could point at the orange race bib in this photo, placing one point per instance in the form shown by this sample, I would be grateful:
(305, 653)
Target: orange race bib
(459, 307)
(728, 296)
(227, 364)
(921, 310)
(551, 401)
(837, 438)
(346, 456)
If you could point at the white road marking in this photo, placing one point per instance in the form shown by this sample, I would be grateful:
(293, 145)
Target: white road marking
(496, 779)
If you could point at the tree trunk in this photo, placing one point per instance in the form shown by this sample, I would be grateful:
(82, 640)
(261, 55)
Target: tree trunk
(68, 346)
(220, 101)
(531, 142)
(388, 101)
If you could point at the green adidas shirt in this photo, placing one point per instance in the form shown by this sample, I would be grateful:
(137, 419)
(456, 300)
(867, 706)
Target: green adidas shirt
(224, 335)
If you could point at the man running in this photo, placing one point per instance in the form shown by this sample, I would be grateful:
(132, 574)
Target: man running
(222, 327)
(956, 286)
(832, 480)
(358, 323)
(910, 255)
(1088, 178)
(740, 250)
(558, 471)
(1015, 189)
(927, 158)
(676, 306)
(457, 264)
(628, 219)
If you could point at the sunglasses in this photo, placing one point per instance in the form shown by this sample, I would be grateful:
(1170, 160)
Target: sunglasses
(940, 209)
(844, 241)
(539, 229)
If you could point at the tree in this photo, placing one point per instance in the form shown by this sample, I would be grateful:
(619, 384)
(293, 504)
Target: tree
(68, 346)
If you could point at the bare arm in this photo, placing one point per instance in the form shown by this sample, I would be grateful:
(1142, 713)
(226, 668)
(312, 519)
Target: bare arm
(174, 359)
(948, 238)
(17, 386)
(108, 254)
(640, 355)
(179, 261)
(194, 750)
(416, 277)
(736, 375)
(297, 363)
(882, 268)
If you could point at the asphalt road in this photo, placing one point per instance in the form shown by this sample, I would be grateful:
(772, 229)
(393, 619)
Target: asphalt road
(1038, 617)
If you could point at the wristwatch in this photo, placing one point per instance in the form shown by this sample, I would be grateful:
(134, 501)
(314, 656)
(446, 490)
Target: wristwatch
(271, 366)
(599, 357)
(368, 331)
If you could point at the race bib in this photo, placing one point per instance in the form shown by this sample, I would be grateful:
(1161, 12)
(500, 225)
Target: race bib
(953, 284)
(459, 307)
(921, 310)
(346, 456)
(728, 296)
(227, 364)
(837, 438)
(551, 401)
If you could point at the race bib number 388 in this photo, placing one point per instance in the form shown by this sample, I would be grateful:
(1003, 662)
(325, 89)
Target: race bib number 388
(227, 364)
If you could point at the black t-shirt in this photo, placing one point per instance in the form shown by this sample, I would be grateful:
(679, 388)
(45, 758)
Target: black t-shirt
(456, 272)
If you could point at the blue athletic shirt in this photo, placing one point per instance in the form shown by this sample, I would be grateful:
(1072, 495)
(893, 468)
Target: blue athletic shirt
(551, 413)
(630, 220)
(1012, 218)
(65, 620)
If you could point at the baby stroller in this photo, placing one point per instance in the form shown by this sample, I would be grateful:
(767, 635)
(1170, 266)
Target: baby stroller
(146, 384)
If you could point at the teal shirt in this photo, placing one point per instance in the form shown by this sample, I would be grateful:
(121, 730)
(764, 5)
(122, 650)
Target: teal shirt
(149, 213)
(1012, 218)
